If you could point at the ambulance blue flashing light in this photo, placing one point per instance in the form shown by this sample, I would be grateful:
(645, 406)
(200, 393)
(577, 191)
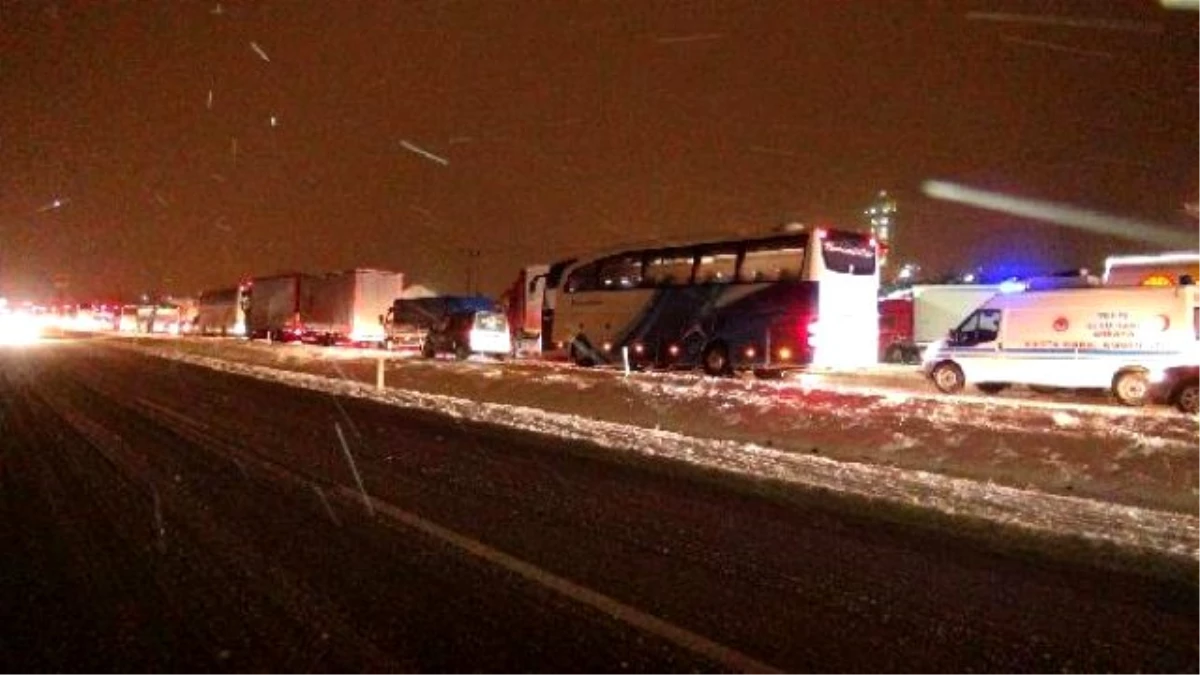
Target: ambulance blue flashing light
(1012, 286)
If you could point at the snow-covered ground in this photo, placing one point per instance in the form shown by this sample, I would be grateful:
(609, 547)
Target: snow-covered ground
(1067, 465)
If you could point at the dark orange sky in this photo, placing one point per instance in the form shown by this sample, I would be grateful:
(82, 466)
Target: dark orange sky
(401, 134)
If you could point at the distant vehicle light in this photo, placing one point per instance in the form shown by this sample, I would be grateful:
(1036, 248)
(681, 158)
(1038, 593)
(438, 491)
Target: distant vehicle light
(19, 328)
(1012, 286)
(673, 350)
(607, 346)
(785, 354)
(750, 352)
(639, 348)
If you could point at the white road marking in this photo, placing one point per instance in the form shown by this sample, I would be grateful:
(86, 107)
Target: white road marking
(722, 654)
(694, 642)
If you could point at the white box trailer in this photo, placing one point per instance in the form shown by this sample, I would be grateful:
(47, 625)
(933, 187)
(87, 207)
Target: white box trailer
(1120, 339)
(350, 305)
(278, 306)
(937, 309)
(222, 311)
(910, 321)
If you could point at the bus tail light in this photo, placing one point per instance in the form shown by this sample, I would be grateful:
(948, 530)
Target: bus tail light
(750, 352)
(785, 354)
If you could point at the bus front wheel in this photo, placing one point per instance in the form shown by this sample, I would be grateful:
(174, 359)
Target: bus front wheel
(581, 353)
(948, 378)
(716, 360)
(1131, 387)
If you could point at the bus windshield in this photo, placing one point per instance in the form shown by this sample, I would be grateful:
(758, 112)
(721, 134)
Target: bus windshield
(848, 253)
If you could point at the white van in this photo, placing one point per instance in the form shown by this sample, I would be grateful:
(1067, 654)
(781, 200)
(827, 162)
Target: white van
(1118, 338)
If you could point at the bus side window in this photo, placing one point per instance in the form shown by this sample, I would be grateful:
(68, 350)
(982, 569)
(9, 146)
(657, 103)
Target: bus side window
(619, 272)
(582, 279)
(717, 266)
(669, 268)
(782, 264)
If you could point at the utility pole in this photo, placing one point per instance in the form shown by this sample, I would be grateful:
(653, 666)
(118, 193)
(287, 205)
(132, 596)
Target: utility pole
(472, 254)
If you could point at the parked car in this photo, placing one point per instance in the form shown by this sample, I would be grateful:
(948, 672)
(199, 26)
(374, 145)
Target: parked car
(1182, 388)
(467, 333)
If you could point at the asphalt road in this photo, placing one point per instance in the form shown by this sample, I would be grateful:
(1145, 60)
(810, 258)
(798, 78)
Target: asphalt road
(155, 516)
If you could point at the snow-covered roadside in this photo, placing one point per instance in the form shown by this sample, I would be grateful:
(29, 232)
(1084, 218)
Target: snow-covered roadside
(1149, 457)
(1127, 526)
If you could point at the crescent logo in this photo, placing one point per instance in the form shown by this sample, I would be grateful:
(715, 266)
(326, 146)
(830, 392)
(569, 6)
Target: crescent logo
(1061, 324)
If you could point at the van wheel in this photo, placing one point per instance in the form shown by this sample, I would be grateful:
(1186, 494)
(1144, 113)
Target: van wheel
(716, 360)
(895, 354)
(462, 352)
(1131, 387)
(992, 387)
(1187, 399)
(948, 378)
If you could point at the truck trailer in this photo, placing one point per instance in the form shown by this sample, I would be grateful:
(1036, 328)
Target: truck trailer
(910, 321)
(279, 306)
(222, 311)
(350, 306)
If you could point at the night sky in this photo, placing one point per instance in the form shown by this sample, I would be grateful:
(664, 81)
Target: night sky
(177, 146)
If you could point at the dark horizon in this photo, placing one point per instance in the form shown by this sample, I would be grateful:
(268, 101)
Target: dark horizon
(177, 147)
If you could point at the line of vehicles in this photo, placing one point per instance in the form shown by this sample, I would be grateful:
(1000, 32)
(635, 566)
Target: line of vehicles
(721, 304)
(797, 297)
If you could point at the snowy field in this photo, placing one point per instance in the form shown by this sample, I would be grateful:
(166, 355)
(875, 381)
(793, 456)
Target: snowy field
(1074, 465)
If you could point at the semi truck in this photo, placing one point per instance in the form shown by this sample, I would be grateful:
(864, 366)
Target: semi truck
(222, 311)
(524, 303)
(530, 305)
(278, 307)
(912, 320)
(350, 306)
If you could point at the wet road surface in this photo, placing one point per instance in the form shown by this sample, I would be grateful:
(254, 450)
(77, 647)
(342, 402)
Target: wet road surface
(156, 516)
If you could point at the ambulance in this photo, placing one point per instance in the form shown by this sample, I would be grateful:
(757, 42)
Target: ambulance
(1121, 339)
